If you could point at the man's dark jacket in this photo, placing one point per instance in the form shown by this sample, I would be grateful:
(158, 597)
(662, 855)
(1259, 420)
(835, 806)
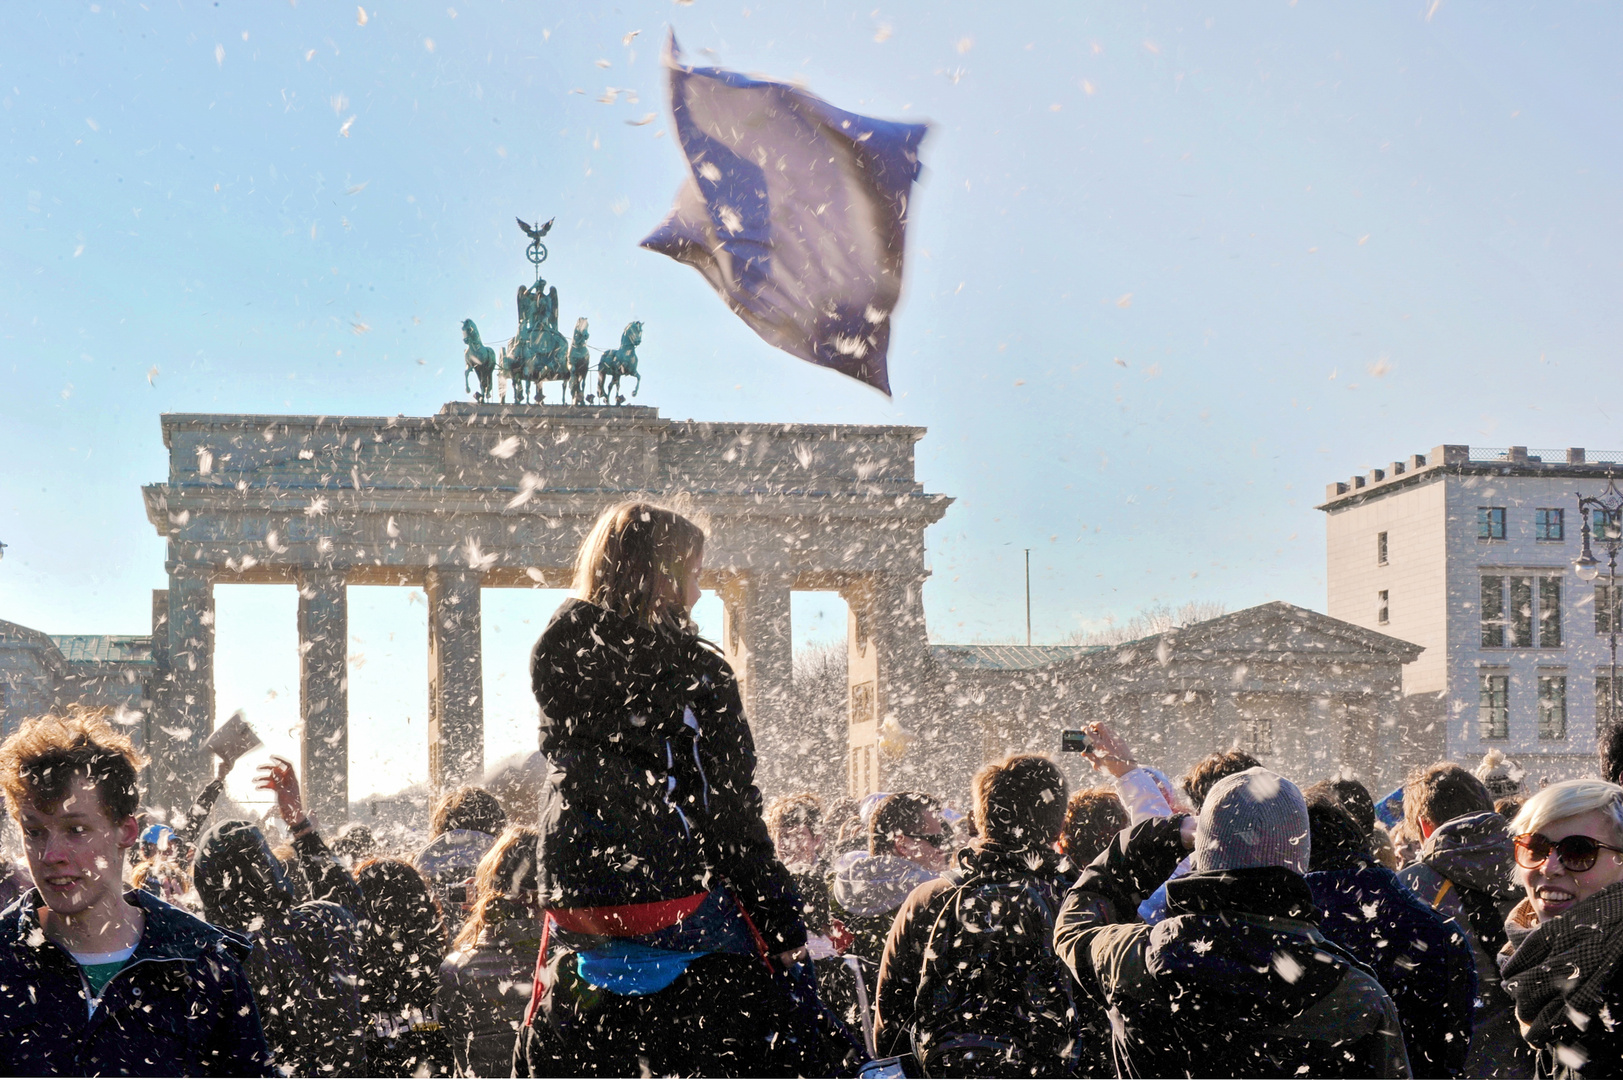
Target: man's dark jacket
(1466, 872)
(304, 964)
(651, 790)
(1421, 958)
(182, 1006)
(1236, 981)
(901, 969)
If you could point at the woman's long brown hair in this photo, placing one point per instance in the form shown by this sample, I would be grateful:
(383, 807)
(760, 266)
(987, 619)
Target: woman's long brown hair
(630, 550)
(506, 873)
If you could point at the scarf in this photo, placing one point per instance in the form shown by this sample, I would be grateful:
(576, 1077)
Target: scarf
(1563, 966)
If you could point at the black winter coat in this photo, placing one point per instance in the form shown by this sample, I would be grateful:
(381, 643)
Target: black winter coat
(304, 965)
(902, 969)
(1421, 958)
(1466, 873)
(650, 792)
(182, 1006)
(1236, 981)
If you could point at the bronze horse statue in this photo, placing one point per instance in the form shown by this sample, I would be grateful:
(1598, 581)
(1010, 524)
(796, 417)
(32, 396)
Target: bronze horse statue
(580, 361)
(480, 360)
(615, 363)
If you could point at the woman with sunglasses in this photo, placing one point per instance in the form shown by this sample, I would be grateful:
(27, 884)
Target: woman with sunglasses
(1563, 963)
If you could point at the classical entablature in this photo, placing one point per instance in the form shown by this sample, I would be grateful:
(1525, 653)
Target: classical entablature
(482, 496)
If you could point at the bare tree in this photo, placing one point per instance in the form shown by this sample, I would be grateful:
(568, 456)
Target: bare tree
(806, 749)
(1155, 619)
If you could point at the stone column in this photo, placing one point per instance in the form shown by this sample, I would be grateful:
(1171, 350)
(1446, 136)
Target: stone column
(757, 640)
(1227, 719)
(324, 694)
(862, 683)
(888, 672)
(180, 767)
(456, 712)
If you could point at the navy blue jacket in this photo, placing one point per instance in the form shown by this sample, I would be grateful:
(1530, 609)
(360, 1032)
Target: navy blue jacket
(1421, 958)
(182, 1006)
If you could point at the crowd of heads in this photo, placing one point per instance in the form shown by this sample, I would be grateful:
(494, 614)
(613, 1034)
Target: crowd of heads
(1566, 840)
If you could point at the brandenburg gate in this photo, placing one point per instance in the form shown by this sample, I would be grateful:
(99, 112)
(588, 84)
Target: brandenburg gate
(500, 496)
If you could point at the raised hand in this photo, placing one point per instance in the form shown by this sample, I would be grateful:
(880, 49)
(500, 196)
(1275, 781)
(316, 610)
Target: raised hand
(279, 777)
(1110, 751)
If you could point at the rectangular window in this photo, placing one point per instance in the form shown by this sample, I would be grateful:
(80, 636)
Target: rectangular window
(1549, 613)
(1257, 737)
(1606, 608)
(1552, 706)
(1490, 523)
(1383, 608)
(1605, 526)
(1516, 623)
(1493, 611)
(1549, 524)
(1493, 710)
(1603, 683)
(1521, 612)
(1380, 549)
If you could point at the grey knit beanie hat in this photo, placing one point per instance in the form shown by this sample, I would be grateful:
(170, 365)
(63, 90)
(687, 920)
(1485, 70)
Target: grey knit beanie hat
(1253, 818)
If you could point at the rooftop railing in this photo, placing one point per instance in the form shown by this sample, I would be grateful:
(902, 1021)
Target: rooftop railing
(1537, 456)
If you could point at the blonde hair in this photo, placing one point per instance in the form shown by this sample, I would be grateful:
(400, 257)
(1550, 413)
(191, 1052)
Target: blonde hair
(630, 550)
(507, 872)
(1567, 799)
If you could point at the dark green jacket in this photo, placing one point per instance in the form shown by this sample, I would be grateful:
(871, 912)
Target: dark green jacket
(1236, 981)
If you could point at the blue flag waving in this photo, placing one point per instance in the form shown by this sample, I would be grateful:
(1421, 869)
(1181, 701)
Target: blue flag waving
(794, 211)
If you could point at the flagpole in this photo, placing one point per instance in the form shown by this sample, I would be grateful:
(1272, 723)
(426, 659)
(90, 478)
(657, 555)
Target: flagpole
(1028, 597)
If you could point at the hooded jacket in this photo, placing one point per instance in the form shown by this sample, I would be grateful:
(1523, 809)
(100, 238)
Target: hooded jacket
(303, 963)
(182, 1006)
(1465, 873)
(901, 969)
(1421, 958)
(650, 790)
(866, 893)
(1236, 981)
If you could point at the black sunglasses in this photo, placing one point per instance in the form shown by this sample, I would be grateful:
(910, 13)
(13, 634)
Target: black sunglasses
(1577, 853)
(938, 839)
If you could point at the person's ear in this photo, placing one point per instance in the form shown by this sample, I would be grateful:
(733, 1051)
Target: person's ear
(128, 831)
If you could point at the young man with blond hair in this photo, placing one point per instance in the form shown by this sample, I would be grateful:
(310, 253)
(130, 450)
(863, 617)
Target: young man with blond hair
(94, 978)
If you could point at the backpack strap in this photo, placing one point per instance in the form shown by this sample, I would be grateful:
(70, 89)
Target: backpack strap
(1438, 899)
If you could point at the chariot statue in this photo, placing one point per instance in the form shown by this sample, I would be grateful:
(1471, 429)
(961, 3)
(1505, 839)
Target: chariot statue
(539, 353)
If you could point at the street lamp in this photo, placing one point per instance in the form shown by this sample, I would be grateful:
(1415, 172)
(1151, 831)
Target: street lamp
(1606, 512)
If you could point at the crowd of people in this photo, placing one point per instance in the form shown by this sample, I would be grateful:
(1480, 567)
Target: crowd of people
(652, 917)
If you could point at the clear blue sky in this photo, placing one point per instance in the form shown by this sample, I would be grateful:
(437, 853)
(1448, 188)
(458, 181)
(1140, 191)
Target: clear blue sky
(1172, 268)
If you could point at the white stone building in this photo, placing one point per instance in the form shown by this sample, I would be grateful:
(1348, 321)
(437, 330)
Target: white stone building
(1468, 552)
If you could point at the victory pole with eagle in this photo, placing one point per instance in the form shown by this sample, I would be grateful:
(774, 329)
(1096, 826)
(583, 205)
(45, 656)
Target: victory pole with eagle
(539, 353)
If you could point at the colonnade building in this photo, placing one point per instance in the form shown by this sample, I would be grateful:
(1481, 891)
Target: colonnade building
(500, 496)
